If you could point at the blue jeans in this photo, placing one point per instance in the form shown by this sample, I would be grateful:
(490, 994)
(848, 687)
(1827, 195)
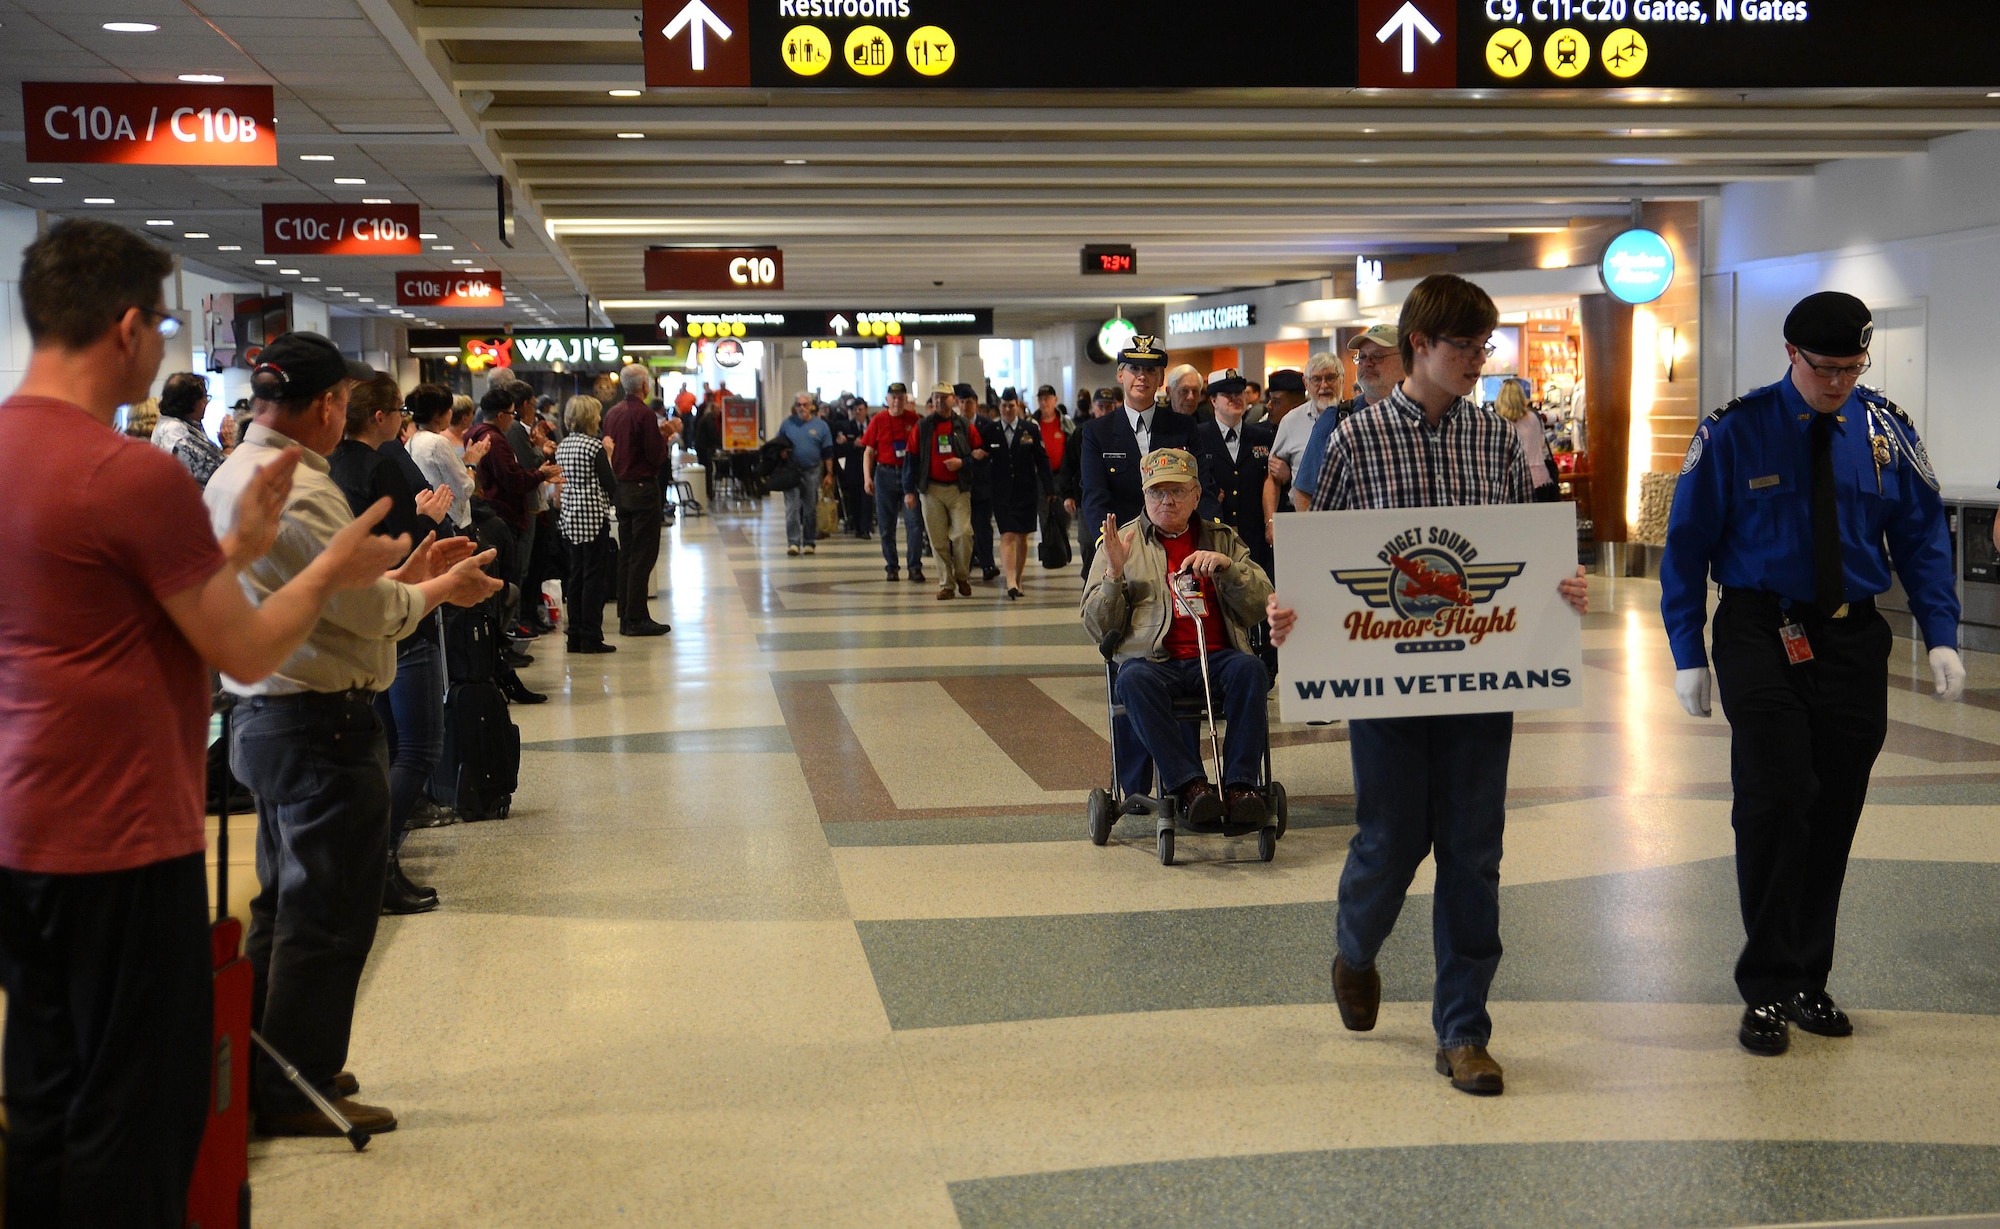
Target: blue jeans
(888, 508)
(1147, 690)
(320, 771)
(1431, 785)
(802, 509)
(412, 713)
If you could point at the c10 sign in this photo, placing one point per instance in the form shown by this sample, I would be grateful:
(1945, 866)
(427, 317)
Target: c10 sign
(715, 269)
(151, 125)
(448, 290)
(342, 230)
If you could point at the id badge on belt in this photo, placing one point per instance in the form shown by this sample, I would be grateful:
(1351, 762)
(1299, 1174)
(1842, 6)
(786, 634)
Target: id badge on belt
(1798, 650)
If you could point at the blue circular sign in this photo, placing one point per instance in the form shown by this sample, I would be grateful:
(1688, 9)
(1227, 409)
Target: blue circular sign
(1638, 267)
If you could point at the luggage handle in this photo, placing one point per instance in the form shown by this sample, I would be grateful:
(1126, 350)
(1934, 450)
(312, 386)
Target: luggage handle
(225, 704)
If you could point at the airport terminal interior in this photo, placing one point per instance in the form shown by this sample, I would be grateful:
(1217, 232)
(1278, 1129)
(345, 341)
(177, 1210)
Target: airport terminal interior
(804, 912)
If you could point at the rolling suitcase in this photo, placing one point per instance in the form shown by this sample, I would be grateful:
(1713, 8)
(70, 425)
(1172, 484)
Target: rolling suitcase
(481, 765)
(219, 1196)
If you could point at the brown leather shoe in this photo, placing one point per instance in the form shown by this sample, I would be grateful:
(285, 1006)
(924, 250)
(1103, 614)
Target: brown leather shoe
(1471, 1070)
(1201, 806)
(944, 593)
(345, 1085)
(964, 587)
(1357, 994)
(373, 1119)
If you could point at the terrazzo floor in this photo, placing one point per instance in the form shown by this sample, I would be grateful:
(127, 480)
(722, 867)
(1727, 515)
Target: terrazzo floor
(795, 924)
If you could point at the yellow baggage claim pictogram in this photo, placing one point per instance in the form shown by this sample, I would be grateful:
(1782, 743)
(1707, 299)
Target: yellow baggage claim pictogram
(1509, 52)
(932, 51)
(1625, 53)
(807, 51)
(1567, 53)
(869, 51)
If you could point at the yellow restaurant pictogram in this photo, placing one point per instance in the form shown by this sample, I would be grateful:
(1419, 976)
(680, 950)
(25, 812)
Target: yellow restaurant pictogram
(932, 51)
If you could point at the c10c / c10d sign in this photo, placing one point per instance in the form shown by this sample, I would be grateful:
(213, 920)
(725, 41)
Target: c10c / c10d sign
(426, 289)
(1423, 611)
(342, 230)
(150, 125)
(1373, 44)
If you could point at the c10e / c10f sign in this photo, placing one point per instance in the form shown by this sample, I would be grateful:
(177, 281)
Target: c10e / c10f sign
(150, 125)
(1375, 44)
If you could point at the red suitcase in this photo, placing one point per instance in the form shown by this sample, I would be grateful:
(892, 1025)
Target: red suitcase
(219, 1196)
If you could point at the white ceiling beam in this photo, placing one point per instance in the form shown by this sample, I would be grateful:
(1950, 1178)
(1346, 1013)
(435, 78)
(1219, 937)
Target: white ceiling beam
(497, 25)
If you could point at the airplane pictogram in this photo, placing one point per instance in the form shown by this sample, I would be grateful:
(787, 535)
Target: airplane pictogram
(1429, 582)
(1511, 52)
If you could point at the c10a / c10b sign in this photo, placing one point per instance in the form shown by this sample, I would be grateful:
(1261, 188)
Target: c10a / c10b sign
(1425, 611)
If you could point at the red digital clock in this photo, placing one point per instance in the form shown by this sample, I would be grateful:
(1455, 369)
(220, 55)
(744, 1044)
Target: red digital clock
(1107, 258)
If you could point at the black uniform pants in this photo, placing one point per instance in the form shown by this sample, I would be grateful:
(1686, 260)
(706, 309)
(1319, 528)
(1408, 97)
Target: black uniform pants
(1803, 740)
(319, 766)
(639, 524)
(110, 1005)
(982, 530)
(588, 587)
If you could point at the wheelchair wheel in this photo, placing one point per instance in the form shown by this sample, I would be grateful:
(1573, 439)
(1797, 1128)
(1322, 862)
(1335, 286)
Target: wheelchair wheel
(1267, 842)
(1102, 815)
(1166, 847)
(1280, 809)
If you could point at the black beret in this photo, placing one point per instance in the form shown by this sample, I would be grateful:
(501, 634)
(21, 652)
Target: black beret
(1832, 324)
(1288, 381)
(962, 390)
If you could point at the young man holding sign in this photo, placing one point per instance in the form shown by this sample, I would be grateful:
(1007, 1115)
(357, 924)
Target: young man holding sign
(1435, 783)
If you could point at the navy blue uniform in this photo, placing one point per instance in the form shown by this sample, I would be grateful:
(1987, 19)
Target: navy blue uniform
(1805, 735)
(1109, 469)
(1236, 486)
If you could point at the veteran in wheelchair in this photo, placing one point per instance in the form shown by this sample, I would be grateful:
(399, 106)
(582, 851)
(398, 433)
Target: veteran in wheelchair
(1173, 603)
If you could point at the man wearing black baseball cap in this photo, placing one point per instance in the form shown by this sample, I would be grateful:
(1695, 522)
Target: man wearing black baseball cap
(1788, 498)
(307, 740)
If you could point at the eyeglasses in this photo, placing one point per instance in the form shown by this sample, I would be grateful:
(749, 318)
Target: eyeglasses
(1466, 345)
(1170, 494)
(1370, 360)
(1838, 371)
(168, 325)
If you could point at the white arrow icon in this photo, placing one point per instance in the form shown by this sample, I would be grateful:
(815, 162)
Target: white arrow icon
(839, 326)
(1407, 20)
(669, 325)
(697, 15)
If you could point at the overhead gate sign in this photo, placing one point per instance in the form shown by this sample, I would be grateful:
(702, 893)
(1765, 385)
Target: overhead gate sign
(150, 125)
(342, 230)
(1425, 611)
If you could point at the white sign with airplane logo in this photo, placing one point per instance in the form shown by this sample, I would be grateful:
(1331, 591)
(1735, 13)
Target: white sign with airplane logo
(1426, 611)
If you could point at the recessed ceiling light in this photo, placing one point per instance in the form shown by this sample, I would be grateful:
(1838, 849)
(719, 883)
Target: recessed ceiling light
(159, 221)
(626, 93)
(444, 247)
(475, 270)
(352, 294)
(333, 288)
(308, 279)
(315, 157)
(374, 200)
(202, 78)
(461, 261)
(795, 162)
(426, 235)
(350, 182)
(267, 262)
(230, 247)
(130, 27)
(631, 136)
(367, 300)
(289, 272)
(195, 234)
(99, 200)
(44, 179)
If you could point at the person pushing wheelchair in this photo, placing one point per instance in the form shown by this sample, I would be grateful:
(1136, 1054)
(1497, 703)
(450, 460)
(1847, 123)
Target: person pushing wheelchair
(1127, 600)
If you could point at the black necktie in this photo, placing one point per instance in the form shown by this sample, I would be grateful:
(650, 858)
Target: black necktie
(1231, 437)
(1829, 576)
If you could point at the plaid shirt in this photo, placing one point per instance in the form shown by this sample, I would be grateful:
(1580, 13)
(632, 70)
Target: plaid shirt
(585, 505)
(1388, 456)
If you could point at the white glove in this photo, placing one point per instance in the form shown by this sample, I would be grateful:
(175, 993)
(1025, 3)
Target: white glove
(1691, 686)
(1948, 672)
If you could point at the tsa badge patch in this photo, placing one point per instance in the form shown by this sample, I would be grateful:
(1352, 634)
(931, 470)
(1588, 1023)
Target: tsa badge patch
(1695, 447)
(1923, 460)
(1434, 588)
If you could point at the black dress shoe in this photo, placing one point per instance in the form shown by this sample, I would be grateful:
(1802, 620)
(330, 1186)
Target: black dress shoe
(988, 572)
(595, 647)
(1764, 1030)
(520, 661)
(916, 576)
(397, 875)
(517, 693)
(399, 902)
(647, 628)
(1815, 1012)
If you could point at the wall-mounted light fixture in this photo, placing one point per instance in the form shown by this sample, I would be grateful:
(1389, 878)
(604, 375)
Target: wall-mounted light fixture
(1669, 351)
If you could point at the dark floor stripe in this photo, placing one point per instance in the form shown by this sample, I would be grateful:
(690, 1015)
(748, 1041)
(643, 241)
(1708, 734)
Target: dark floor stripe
(1041, 736)
(1065, 634)
(1915, 936)
(756, 738)
(1620, 1185)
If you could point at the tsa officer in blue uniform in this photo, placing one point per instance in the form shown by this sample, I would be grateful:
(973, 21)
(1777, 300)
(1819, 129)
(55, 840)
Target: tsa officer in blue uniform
(1235, 457)
(1113, 444)
(1787, 499)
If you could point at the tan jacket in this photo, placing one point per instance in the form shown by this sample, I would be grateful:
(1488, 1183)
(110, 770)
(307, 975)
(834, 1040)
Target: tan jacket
(1140, 606)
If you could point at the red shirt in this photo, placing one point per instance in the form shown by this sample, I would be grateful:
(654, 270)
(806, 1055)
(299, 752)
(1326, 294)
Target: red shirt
(1053, 439)
(640, 450)
(103, 703)
(941, 448)
(1180, 642)
(889, 435)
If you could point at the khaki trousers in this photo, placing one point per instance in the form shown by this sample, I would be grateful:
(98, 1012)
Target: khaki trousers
(948, 516)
